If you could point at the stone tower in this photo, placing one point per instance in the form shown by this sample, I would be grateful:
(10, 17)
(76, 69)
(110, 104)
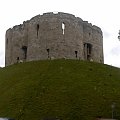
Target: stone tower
(54, 36)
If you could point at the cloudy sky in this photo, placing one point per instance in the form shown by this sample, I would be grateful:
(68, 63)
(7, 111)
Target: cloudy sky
(103, 13)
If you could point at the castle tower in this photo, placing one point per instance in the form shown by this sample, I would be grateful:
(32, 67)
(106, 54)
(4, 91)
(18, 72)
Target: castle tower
(54, 36)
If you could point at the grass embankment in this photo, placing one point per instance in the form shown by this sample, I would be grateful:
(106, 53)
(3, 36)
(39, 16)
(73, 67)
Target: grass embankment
(67, 89)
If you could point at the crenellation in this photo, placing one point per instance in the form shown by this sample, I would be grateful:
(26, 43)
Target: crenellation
(66, 14)
(48, 13)
(97, 28)
(79, 19)
(86, 23)
(54, 36)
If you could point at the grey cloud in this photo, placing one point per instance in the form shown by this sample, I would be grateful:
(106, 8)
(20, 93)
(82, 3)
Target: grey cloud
(106, 34)
(115, 51)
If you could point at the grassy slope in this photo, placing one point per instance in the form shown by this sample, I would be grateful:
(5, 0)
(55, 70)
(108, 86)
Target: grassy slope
(67, 89)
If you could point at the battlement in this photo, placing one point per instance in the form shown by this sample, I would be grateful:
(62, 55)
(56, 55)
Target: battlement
(97, 28)
(57, 15)
(54, 35)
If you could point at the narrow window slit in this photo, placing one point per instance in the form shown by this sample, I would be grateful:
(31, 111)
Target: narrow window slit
(63, 28)
(76, 52)
(48, 50)
(37, 30)
(7, 41)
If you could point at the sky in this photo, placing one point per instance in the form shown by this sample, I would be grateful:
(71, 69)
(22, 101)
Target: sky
(102, 13)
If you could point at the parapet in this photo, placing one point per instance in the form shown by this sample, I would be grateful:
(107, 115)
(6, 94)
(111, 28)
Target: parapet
(60, 15)
(97, 28)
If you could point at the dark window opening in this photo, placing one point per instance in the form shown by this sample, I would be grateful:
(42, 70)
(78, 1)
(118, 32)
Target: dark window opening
(89, 48)
(37, 29)
(24, 48)
(7, 41)
(17, 59)
(48, 50)
(87, 51)
(89, 34)
(76, 54)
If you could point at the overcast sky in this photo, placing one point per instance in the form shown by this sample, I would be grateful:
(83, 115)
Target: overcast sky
(103, 13)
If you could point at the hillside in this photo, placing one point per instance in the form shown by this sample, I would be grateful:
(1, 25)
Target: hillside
(66, 89)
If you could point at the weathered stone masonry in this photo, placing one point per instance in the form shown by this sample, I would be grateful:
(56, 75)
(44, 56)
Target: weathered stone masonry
(54, 36)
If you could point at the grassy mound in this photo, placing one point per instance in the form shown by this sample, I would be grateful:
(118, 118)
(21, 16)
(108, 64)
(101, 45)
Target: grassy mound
(65, 89)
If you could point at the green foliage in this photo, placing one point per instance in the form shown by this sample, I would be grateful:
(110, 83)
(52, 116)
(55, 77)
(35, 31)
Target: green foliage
(66, 89)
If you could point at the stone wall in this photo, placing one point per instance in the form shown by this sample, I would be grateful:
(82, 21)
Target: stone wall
(54, 36)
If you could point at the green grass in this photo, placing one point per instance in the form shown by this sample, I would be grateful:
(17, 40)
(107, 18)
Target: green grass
(67, 89)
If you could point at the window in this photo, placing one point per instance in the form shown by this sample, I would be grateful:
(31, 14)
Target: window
(37, 30)
(76, 53)
(48, 50)
(17, 59)
(87, 51)
(24, 48)
(7, 41)
(63, 28)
